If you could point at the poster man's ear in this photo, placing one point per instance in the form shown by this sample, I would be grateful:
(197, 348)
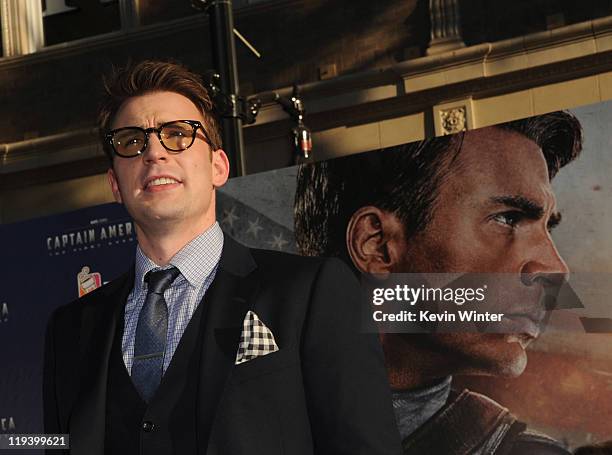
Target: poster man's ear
(374, 240)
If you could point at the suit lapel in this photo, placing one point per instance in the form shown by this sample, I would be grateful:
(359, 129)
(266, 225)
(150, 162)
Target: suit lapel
(98, 328)
(226, 303)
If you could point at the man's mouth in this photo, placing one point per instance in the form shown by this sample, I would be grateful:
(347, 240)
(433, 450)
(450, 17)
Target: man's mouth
(159, 183)
(522, 324)
(522, 339)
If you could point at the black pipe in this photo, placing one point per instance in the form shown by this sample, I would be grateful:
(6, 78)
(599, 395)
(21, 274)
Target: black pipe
(224, 58)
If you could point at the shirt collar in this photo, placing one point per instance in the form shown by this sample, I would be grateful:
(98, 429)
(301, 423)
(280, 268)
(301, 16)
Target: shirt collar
(414, 407)
(195, 261)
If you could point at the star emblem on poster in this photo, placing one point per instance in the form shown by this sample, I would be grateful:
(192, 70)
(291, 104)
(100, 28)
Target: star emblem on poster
(278, 242)
(229, 217)
(254, 228)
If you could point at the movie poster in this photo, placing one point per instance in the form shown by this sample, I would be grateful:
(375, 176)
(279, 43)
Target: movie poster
(564, 391)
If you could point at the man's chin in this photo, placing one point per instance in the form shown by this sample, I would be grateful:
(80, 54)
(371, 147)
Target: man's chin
(514, 360)
(497, 355)
(158, 215)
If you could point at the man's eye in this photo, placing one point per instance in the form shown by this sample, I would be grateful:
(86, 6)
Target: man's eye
(176, 133)
(511, 219)
(133, 143)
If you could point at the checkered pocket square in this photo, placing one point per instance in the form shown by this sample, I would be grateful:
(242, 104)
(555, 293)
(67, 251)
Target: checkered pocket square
(256, 339)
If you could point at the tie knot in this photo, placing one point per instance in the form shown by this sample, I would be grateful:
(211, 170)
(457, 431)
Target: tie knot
(160, 280)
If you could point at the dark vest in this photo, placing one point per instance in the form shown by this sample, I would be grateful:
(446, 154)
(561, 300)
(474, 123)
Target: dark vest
(168, 424)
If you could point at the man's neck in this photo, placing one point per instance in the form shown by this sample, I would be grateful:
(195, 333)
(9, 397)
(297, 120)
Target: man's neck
(414, 407)
(161, 246)
(411, 366)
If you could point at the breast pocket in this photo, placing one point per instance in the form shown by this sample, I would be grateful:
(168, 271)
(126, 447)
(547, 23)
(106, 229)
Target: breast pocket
(266, 364)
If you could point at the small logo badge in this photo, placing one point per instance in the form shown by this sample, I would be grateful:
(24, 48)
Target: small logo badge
(7, 424)
(88, 281)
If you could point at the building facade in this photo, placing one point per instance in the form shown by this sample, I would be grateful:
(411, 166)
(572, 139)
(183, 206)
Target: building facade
(372, 74)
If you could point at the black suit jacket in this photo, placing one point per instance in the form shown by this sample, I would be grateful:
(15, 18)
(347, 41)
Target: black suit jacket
(325, 391)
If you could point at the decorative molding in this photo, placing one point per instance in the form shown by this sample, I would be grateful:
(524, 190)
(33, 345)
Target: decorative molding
(49, 150)
(422, 101)
(451, 118)
(479, 67)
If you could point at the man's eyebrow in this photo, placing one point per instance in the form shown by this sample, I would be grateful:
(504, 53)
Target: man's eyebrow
(530, 208)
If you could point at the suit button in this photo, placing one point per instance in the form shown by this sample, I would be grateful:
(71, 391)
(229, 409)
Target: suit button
(148, 426)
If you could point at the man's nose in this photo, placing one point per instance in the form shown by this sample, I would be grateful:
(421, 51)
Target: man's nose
(154, 151)
(545, 265)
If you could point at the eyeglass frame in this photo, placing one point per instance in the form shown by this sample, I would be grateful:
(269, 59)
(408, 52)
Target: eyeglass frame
(195, 124)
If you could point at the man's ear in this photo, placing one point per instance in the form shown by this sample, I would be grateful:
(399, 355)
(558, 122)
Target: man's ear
(375, 240)
(220, 168)
(114, 184)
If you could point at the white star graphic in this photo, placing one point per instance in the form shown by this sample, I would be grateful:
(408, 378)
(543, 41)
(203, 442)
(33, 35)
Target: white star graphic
(254, 227)
(229, 217)
(278, 242)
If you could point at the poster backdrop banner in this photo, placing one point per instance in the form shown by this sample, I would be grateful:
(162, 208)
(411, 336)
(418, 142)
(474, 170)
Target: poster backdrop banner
(48, 262)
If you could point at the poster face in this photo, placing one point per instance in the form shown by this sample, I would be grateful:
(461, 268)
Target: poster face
(556, 379)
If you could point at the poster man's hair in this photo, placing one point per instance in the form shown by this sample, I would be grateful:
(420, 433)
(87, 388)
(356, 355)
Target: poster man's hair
(404, 180)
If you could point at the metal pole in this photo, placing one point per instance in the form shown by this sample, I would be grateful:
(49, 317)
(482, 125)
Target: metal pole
(224, 56)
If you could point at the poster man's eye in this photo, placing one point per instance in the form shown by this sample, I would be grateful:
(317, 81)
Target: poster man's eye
(511, 218)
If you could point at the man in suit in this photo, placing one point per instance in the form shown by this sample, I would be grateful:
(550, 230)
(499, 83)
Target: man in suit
(205, 346)
(476, 202)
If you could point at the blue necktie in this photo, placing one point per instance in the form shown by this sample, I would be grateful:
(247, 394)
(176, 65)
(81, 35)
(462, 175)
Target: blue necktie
(151, 331)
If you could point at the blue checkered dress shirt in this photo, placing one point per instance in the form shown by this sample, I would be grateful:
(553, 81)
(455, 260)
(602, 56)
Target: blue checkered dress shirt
(197, 261)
